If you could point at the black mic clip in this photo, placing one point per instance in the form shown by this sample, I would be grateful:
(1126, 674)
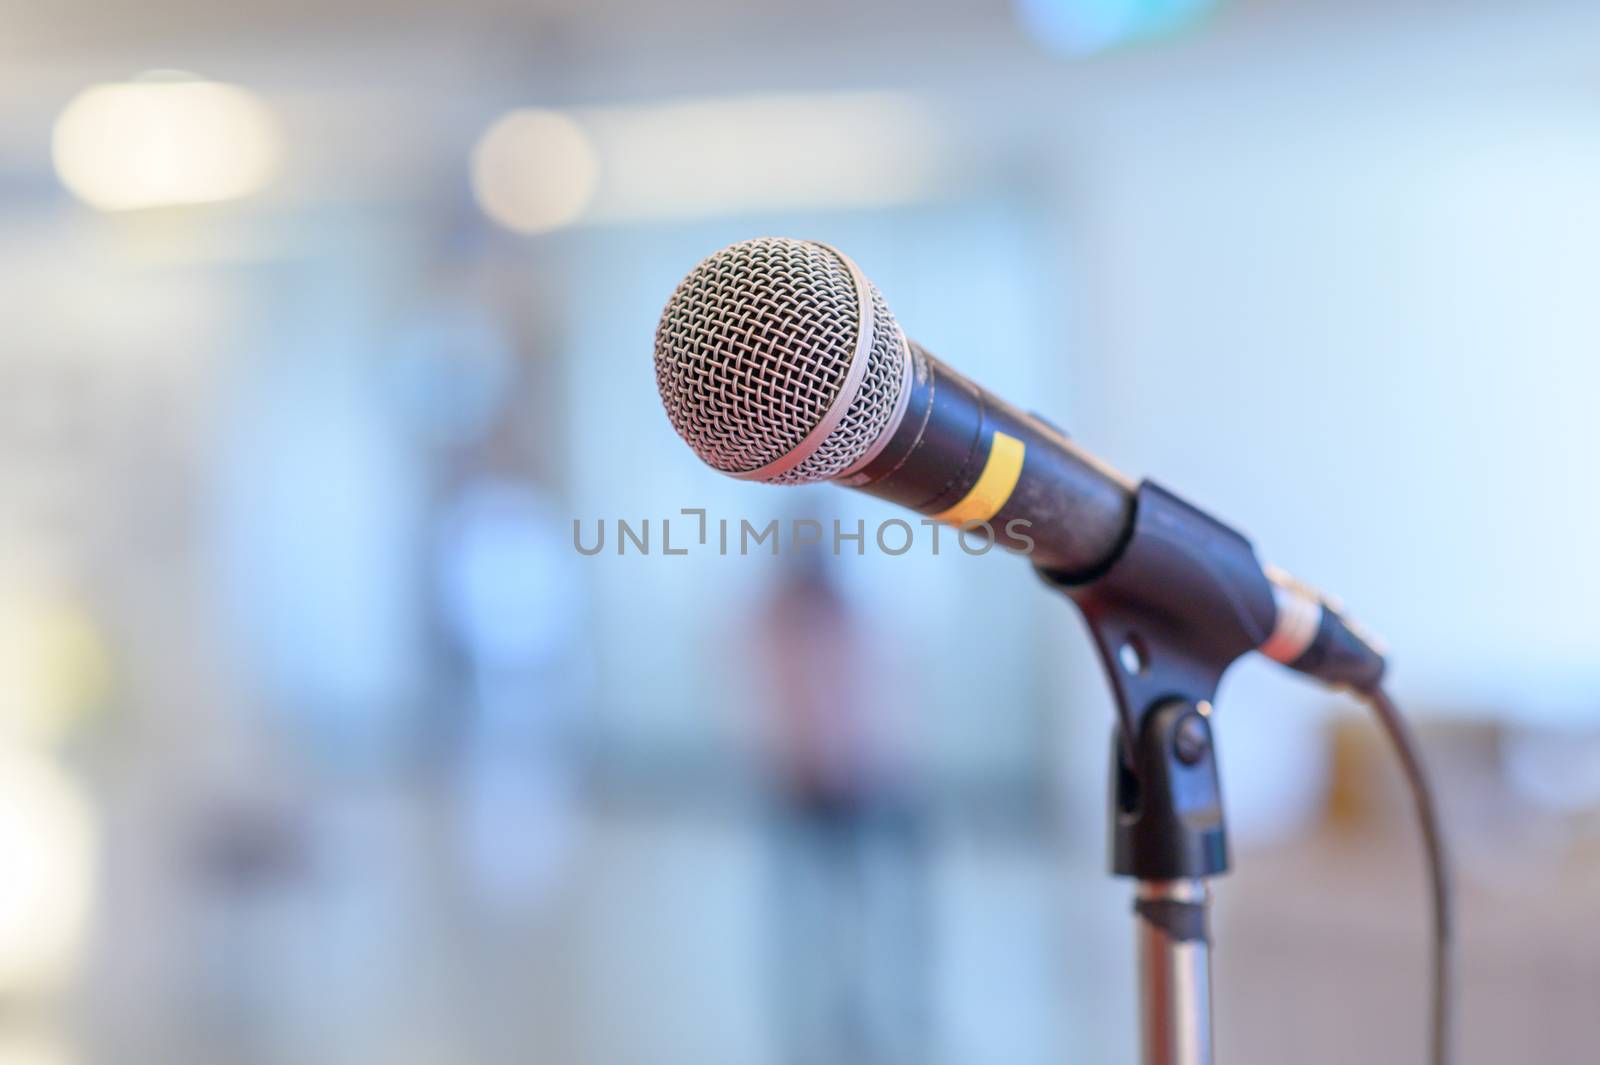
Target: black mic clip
(1182, 599)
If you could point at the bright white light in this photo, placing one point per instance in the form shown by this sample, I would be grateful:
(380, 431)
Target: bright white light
(534, 171)
(709, 157)
(158, 143)
(48, 839)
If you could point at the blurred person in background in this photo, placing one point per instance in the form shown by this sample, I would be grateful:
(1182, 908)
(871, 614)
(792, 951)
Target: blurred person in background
(508, 607)
(504, 604)
(851, 871)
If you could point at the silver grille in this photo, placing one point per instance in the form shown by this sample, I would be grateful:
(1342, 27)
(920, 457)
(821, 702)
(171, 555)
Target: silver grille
(760, 348)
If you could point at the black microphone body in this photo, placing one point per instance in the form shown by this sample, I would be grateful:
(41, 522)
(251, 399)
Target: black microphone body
(963, 455)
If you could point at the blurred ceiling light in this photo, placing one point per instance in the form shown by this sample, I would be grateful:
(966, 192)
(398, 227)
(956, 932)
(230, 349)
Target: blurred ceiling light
(699, 158)
(1082, 27)
(162, 140)
(534, 171)
(734, 155)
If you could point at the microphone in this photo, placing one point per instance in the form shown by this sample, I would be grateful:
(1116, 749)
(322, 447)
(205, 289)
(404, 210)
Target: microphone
(779, 361)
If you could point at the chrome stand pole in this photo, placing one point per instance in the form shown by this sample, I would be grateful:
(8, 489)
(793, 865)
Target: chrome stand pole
(1174, 971)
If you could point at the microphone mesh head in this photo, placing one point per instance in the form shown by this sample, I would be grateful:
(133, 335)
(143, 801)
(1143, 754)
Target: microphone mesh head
(757, 351)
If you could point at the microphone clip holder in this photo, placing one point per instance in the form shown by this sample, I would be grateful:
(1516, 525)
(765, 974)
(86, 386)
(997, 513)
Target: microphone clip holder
(1179, 602)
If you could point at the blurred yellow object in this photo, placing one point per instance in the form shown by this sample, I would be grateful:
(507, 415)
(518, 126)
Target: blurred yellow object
(163, 141)
(55, 670)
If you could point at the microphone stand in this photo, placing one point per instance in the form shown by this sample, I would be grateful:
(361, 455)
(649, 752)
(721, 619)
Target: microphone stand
(1167, 831)
(1167, 622)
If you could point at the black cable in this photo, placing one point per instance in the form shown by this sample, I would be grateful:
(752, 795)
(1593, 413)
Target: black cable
(1405, 747)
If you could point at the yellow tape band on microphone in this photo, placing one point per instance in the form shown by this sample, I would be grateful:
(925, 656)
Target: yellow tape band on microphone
(995, 483)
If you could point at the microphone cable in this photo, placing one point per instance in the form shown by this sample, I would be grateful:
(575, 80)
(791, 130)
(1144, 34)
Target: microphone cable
(1441, 901)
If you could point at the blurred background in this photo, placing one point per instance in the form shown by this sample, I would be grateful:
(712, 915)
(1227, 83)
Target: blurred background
(325, 323)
